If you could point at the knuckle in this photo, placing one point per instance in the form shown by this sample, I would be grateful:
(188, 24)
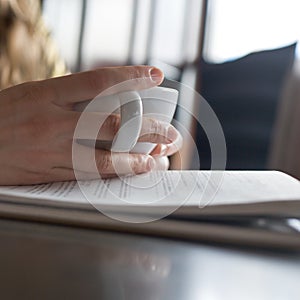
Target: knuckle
(134, 76)
(137, 164)
(148, 130)
(137, 72)
(103, 163)
(136, 160)
(138, 76)
(156, 128)
(153, 125)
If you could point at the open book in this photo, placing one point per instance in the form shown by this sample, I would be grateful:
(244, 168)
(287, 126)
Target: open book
(254, 208)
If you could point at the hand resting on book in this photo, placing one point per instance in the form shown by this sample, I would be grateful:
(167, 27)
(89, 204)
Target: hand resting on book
(37, 123)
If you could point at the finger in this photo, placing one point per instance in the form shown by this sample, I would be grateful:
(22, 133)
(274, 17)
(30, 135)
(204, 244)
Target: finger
(167, 149)
(86, 159)
(102, 126)
(161, 163)
(67, 174)
(155, 131)
(87, 85)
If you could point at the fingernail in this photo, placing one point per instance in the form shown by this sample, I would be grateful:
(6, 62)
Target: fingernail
(172, 134)
(156, 75)
(162, 151)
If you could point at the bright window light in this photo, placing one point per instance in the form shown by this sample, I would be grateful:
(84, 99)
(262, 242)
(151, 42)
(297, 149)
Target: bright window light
(236, 28)
(63, 19)
(107, 32)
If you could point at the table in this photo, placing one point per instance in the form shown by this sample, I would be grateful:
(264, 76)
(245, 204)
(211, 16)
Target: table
(43, 261)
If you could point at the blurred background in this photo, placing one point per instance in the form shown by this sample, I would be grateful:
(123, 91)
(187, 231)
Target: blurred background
(242, 56)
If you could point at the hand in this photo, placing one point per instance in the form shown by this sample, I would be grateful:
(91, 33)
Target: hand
(37, 124)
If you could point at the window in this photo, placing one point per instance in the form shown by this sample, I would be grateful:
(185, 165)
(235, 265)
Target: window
(164, 32)
(235, 28)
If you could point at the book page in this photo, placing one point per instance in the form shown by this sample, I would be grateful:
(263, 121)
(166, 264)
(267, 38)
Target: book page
(170, 188)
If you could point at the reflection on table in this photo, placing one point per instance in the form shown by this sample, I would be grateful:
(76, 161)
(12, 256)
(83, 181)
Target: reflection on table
(40, 261)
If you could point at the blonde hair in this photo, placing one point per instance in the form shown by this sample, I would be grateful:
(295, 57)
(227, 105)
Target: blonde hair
(27, 51)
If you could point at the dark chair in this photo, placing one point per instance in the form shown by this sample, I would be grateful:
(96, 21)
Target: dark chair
(244, 94)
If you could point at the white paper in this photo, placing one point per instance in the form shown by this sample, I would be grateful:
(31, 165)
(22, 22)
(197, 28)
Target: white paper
(171, 188)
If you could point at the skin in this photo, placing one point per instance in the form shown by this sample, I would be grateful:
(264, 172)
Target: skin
(37, 123)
